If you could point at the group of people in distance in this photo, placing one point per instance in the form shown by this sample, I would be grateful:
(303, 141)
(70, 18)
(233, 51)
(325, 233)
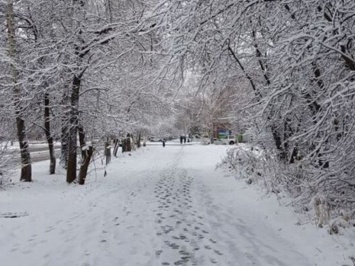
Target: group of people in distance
(182, 139)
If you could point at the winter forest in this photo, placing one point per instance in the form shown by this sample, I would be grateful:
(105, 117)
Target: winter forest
(280, 72)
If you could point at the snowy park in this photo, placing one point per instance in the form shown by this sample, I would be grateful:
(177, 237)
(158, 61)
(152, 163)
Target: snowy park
(159, 206)
(177, 132)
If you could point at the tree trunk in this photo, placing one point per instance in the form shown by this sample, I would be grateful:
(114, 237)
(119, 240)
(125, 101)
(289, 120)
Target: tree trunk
(73, 130)
(26, 169)
(108, 151)
(85, 165)
(139, 141)
(117, 145)
(82, 142)
(124, 144)
(128, 144)
(278, 143)
(65, 130)
(49, 137)
(281, 145)
(86, 154)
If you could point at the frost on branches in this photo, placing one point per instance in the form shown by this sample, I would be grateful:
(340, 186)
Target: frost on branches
(293, 70)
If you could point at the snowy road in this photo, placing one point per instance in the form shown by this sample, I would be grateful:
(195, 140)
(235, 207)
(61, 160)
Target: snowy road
(160, 206)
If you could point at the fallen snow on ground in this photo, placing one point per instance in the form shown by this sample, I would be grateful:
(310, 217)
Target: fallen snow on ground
(158, 206)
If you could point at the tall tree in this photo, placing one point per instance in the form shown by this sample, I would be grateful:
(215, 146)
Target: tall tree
(26, 169)
(297, 58)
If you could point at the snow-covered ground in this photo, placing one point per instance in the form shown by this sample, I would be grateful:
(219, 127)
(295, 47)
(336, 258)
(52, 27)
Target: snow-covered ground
(158, 206)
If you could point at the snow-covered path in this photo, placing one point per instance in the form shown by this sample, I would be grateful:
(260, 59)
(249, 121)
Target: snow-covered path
(160, 206)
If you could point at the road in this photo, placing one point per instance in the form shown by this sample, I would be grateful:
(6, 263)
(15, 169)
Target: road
(39, 152)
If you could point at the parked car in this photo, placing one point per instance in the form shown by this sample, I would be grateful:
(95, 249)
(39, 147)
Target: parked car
(205, 140)
(155, 139)
(228, 140)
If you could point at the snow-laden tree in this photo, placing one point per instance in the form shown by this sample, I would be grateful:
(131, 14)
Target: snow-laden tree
(14, 89)
(90, 67)
(312, 94)
(296, 60)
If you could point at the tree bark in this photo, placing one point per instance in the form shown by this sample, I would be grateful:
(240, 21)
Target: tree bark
(124, 144)
(117, 145)
(139, 141)
(108, 151)
(85, 165)
(86, 154)
(278, 143)
(82, 142)
(49, 137)
(26, 168)
(73, 130)
(65, 131)
(128, 144)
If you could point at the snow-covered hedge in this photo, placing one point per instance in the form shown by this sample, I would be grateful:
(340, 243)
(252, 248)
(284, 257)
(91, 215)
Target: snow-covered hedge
(326, 199)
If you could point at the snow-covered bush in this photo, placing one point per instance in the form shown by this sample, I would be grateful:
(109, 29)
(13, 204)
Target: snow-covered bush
(322, 210)
(242, 160)
(250, 163)
(256, 165)
(343, 221)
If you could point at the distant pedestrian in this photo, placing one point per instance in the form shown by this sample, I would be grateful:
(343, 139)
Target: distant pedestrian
(181, 138)
(163, 142)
